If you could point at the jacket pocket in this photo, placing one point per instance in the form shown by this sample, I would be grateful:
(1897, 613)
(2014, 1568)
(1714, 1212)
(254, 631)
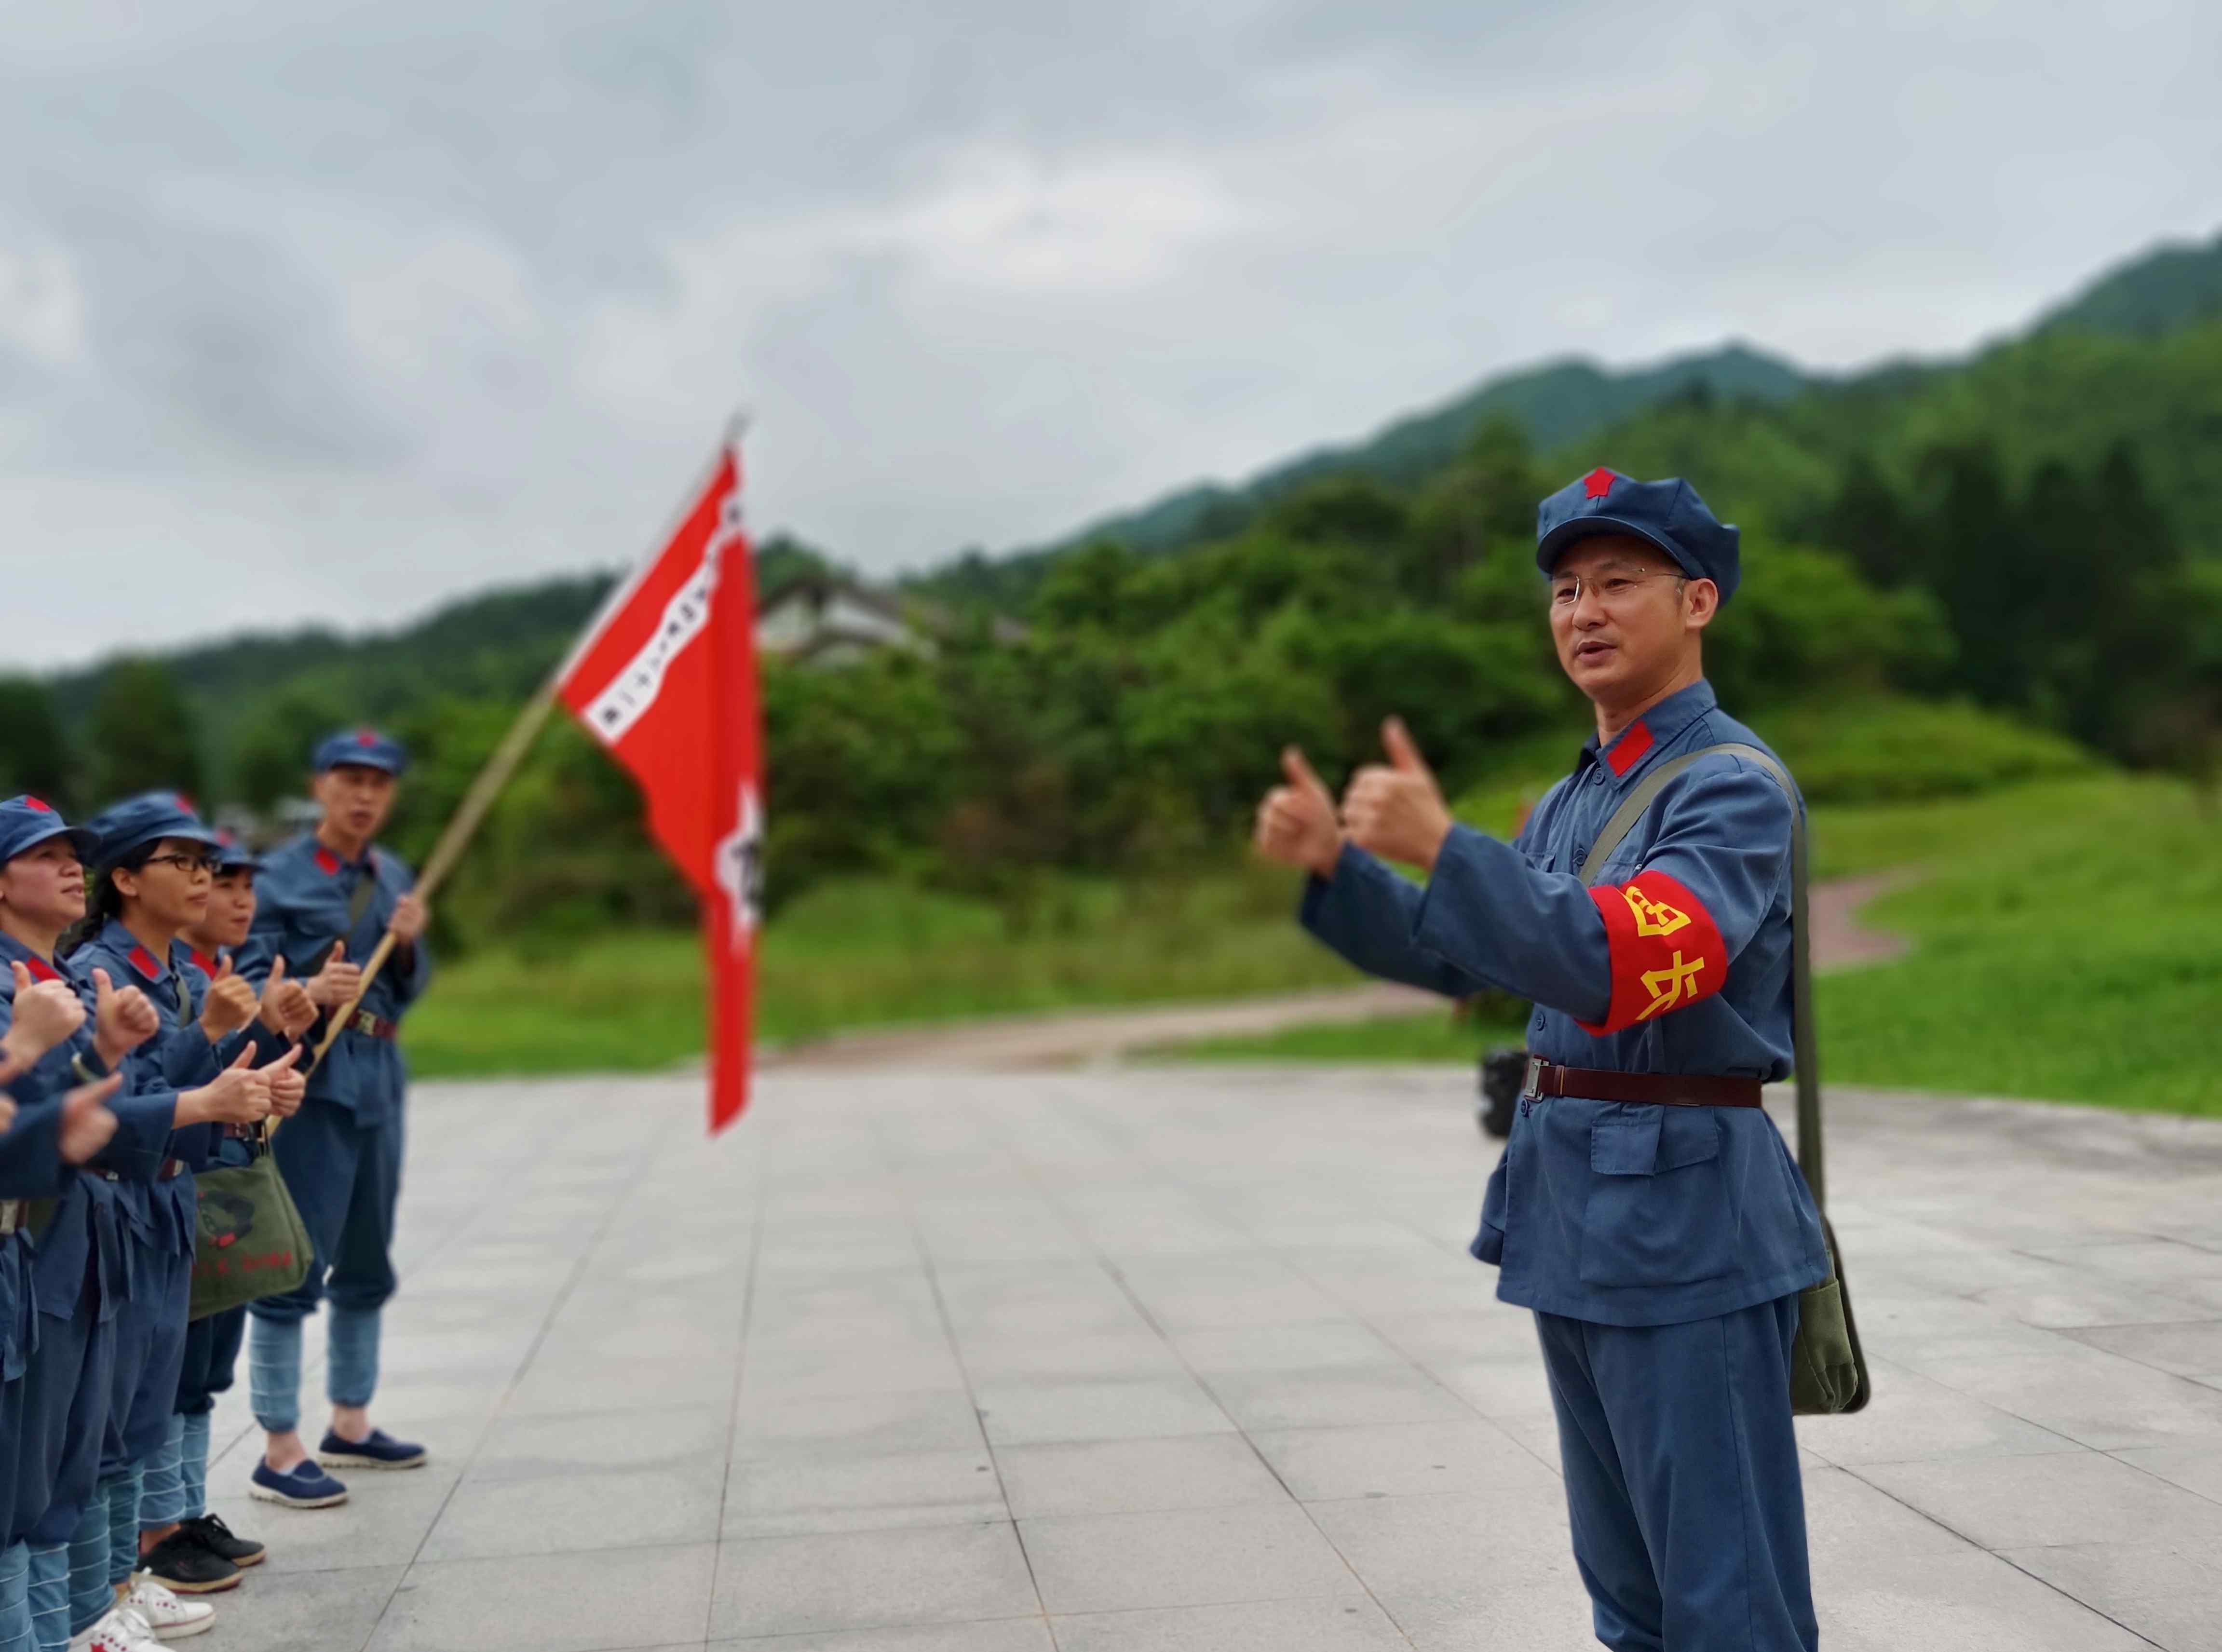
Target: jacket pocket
(1659, 1210)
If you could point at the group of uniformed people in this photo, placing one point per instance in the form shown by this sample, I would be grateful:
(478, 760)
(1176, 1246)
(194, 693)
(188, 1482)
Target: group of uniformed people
(164, 995)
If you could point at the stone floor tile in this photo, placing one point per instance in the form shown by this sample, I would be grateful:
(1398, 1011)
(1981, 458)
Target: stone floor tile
(1966, 1602)
(1189, 1557)
(1033, 1413)
(1135, 1350)
(1307, 1345)
(854, 1424)
(2025, 1502)
(925, 1575)
(2195, 1468)
(1504, 1386)
(520, 1447)
(2098, 1400)
(583, 1383)
(547, 1514)
(1433, 1559)
(1004, 1635)
(1911, 1418)
(1253, 1626)
(2169, 1593)
(284, 1612)
(1133, 1476)
(384, 1523)
(782, 1496)
(541, 1603)
(2182, 1349)
(1335, 1397)
(1399, 1459)
(1523, 1615)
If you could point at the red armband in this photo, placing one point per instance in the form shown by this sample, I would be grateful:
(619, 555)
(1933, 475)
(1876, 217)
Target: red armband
(1665, 951)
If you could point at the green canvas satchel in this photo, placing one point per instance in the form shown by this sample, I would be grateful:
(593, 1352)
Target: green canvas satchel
(249, 1242)
(1828, 1372)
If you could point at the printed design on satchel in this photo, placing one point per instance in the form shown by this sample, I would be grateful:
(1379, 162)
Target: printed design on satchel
(1664, 950)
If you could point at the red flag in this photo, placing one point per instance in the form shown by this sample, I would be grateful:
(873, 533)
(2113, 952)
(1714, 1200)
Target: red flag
(666, 678)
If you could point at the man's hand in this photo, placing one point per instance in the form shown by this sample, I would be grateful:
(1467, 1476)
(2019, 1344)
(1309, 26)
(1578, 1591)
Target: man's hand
(1397, 812)
(238, 1095)
(7, 1109)
(288, 1083)
(408, 921)
(286, 1009)
(47, 1012)
(230, 1004)
(338, 982)
(122, 1021)
(1296, 823)
(86, 1122)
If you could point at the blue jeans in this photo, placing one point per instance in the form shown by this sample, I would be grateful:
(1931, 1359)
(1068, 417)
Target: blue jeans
(50, 1596)
(15, 1599)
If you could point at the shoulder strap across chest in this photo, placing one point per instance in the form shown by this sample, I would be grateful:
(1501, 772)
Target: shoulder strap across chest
(1803, 1052)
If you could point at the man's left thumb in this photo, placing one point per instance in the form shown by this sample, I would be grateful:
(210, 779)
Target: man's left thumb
(1403, 755)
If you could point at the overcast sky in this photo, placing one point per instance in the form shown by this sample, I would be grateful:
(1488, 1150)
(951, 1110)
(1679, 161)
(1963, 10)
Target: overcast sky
(331, 312)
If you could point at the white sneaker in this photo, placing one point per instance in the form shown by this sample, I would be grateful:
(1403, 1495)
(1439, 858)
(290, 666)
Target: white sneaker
(171, 1618)
(121, 1630)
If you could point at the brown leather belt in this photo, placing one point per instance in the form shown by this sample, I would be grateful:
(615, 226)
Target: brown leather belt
(11, 1216)
(1673, 1089)
(370, 1026)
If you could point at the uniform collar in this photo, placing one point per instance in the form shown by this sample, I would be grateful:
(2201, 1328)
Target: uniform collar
(1634, 747)
(329, 862)
(207, 963)
(127, 945)
(14, 951)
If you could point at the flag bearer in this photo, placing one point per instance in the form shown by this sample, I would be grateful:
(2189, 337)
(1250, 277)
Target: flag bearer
(325, 902)
(1645, 1208)
(201, 1554)
(155, 861)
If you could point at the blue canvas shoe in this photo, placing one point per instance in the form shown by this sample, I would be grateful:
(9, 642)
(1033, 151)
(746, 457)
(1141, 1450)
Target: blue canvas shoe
(378, 1450)
(304, 1486)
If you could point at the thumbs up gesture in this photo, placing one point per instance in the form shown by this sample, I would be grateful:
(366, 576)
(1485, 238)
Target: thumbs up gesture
(47, 1012)
(1395, 809)
(231, 1003)
(339, 982)
(86, 1122)
(121, 1021)
(286, 1006)
(1296, 822)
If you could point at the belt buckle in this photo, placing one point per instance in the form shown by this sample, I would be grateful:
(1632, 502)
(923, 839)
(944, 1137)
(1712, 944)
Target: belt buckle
(11, 1216)
(1530, 1085)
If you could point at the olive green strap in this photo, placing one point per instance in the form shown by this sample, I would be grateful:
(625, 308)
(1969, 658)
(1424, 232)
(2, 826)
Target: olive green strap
(1804, 1052)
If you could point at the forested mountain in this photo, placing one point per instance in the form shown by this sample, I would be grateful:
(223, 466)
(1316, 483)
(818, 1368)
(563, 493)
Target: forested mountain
(2034, 534)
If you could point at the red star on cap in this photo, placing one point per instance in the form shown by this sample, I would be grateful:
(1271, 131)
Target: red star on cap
(364, 737)
(1598, 483)
(182, 801)
(40, 804)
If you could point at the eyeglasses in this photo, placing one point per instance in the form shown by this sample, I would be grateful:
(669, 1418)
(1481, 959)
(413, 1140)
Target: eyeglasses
(1608, 588)
(188, 864)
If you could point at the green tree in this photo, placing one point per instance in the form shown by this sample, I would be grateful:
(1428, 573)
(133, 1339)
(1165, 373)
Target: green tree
(33, 757)
(141, 733)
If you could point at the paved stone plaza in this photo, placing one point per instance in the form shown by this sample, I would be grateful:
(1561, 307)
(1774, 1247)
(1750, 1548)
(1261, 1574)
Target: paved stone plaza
(1177, 1361)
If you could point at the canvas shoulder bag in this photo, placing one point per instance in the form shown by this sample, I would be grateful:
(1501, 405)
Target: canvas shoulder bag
(1828, 1370)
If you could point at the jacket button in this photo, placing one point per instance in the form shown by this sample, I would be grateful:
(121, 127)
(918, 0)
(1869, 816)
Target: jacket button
(1580, 855)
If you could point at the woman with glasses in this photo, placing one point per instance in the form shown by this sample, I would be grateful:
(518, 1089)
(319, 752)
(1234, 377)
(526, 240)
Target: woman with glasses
(154, 865)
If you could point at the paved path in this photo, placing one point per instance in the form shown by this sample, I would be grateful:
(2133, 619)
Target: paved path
(1840, 941)
(1194, 1361)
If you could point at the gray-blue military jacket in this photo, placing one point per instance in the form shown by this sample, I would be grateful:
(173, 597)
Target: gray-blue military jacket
(1676, 959)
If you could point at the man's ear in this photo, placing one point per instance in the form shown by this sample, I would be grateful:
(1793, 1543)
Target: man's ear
(1701, 601)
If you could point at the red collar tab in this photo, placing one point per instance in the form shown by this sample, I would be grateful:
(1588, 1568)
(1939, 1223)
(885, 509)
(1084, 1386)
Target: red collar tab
(207, 964)
(40, 969)
(143, 961)
(1627, 751)
(1598, 483)
(327, 862)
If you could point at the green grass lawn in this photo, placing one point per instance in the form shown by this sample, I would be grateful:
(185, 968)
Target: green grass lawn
(2069, 946)
(873, 954)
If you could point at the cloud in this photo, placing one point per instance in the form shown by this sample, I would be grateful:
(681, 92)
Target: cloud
(334, 314)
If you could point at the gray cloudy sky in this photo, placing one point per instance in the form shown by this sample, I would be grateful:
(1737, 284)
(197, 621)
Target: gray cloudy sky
(316, 311)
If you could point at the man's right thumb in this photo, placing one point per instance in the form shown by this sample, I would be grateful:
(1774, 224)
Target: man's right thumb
(339, 953)
(22, 978)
